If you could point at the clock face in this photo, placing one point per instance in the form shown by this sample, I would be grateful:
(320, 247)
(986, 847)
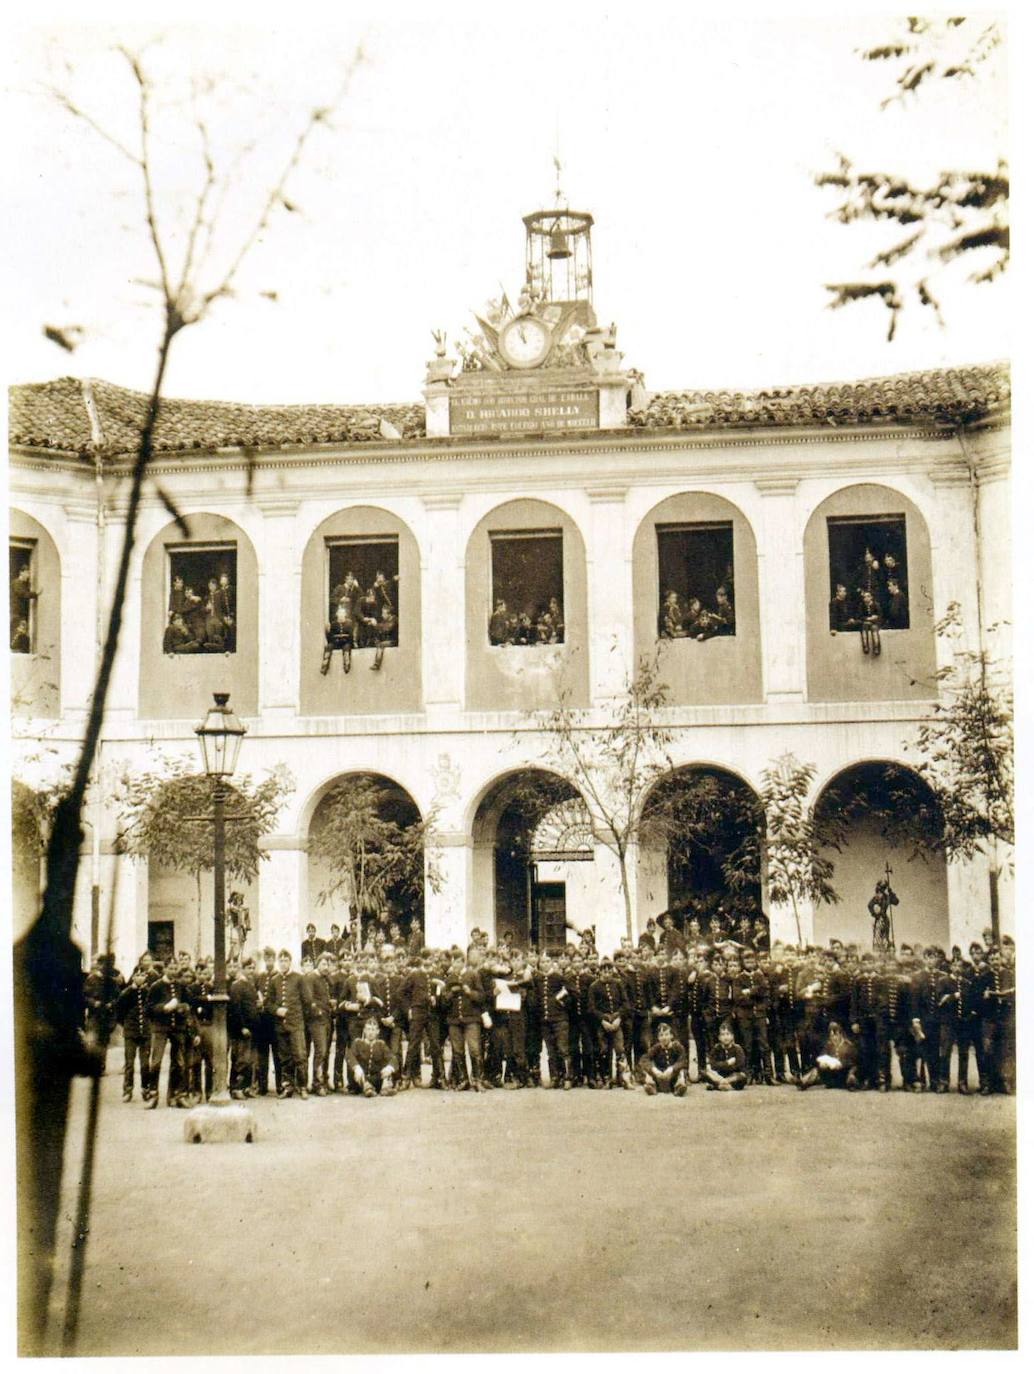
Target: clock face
(524, 342)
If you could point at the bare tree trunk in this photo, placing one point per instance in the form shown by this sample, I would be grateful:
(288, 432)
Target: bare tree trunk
(622, 865)
(48, 994)
(796, 918)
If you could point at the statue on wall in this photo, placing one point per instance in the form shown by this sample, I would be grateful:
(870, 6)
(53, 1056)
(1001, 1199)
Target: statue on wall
(880, 904)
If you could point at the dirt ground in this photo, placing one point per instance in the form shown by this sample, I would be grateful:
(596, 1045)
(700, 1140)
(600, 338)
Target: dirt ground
(544, 1220)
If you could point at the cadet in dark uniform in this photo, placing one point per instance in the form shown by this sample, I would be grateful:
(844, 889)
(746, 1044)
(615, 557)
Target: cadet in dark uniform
(864, 1018)
(665, 1065)
(761, 1053)
(317, 1012)
(961, 1020)
(371, 1070)
(550, 995)
(467, 997)
(608, 1002)
(419, 1000)
(997, 996)
(265, 1040)
(242, 1019)
(312, 946)
(727, 1064)
(930, 990)
(285, 996)
(131, 1014)
(584, 1025)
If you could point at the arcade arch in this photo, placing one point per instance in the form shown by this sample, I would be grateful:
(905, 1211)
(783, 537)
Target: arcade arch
(873, 807)
(533, 869)
(700, 851)
(365, 858)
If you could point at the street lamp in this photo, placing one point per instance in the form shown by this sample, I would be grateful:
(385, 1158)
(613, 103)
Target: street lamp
(219, 735)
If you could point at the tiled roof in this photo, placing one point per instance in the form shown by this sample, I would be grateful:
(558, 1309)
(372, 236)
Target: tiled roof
(947, 396)
(53, 415)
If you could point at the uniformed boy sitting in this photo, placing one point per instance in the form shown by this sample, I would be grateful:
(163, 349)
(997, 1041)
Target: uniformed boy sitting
(727, 1064)
(371, 1069)
(665, 1065)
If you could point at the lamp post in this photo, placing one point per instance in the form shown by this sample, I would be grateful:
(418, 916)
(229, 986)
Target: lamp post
(219, 736)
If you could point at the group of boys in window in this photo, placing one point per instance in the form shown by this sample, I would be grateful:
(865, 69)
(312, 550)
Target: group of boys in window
(543, 624)
(361, 619)
(201, 622)
(694, 620)
(877, 601)
(22, 595)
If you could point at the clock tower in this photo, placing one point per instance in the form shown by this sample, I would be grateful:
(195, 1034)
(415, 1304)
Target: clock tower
(541, 365)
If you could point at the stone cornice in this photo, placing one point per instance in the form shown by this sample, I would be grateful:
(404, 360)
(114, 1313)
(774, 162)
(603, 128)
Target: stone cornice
(414, 728)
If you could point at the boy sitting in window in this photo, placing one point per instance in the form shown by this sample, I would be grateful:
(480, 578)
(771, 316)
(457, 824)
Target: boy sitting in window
(339, 634)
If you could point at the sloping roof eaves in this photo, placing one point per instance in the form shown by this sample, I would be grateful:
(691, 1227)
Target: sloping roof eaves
(52, 416)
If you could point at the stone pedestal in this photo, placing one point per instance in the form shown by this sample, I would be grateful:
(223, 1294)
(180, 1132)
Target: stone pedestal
(220, 1124)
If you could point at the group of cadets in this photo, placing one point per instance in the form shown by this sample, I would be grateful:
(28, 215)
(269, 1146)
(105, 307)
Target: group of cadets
(723, 1013)
(361, 618)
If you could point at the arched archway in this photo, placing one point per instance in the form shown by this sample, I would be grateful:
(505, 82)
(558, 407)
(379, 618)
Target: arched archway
(699, 547)
(527, 554)
(869, 518)
(164, 826)
(533, 851)
(178, 684)
(877, 810)
(700, 851)
(365, 859)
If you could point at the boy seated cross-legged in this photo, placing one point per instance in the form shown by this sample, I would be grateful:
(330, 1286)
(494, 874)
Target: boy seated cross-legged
(727, 1064)
(371, 1069)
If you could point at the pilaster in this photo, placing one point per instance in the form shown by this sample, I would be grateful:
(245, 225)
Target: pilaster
(609, 574)
(442, 606)
(279, 616)
(781, 587)
(447, 914)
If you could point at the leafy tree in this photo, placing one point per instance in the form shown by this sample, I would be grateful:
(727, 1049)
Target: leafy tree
(159, 821)
(32, 812)
(376, 847)
(796, 840)
(707, 820)
(965, 754)
(615, 766)
(957, 214)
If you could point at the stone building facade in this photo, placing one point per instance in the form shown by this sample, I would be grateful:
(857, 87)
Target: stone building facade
(769, 484)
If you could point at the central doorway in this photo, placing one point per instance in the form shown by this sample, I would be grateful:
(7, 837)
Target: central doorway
(532, 846)
(548, 923)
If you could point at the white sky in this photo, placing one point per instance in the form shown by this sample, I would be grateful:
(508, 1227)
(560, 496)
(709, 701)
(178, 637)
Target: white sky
(689, 135)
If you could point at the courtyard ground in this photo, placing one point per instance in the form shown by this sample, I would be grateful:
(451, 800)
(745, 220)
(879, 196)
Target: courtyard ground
(544, 1220)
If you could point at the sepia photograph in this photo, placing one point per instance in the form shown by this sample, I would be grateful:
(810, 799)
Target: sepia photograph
(512, 820)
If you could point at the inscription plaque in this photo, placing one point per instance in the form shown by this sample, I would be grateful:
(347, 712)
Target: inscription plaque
(531, 410)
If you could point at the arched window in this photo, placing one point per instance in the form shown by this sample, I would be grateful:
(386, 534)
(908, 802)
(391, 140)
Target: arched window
(696, 595)
(360, 616)
(869, 598)
(527, 631)
(199, 623)
(35, 618)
